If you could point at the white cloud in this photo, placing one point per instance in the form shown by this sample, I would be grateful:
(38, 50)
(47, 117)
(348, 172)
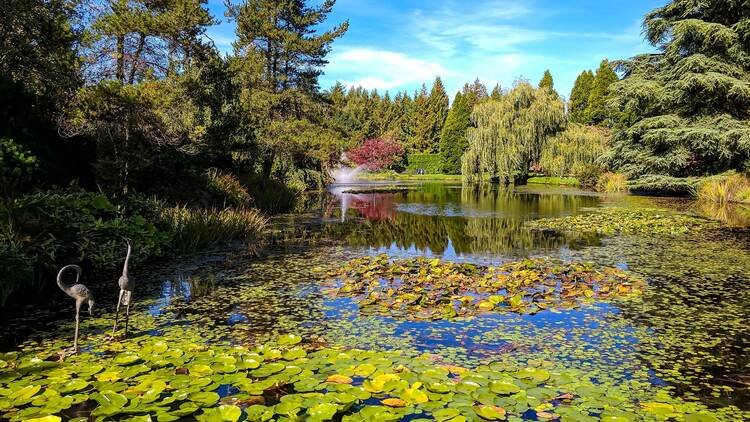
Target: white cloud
(382, 69)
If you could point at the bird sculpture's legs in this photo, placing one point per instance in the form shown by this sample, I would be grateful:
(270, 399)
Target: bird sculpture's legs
(78, 316)
(127, 317)
(117, 312)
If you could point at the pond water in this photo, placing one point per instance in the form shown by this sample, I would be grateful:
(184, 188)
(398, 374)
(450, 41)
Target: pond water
(687, 333)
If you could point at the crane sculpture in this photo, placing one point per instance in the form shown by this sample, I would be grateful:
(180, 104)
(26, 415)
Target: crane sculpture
(126, 292)
(80, 293)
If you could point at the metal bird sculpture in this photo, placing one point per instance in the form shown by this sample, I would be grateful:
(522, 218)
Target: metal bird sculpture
(126, 292)
(80, 293)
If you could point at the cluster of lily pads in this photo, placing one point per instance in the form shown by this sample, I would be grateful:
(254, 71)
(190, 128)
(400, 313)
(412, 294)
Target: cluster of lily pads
(177, 376)
(611, 221)
(421, 288)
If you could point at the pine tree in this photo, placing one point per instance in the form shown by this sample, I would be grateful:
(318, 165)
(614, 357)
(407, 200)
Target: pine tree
(437, 113)
(686, 110)
(477, 89)
(548, 83)
(579, 97)
(453, 141)
(509, 134)
(597, 111)
(497, 93)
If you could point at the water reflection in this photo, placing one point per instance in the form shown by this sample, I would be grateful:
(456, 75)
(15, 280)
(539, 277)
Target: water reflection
(455, 221)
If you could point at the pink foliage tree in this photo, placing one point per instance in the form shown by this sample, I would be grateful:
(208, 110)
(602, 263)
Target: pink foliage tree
(376, 154)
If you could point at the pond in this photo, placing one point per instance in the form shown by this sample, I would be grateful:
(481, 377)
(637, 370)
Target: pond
(677, 348)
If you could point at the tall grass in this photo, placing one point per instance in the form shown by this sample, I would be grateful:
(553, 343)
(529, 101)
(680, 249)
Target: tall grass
(733, 188)
(612, 183)
(194, 229)
(228, 188)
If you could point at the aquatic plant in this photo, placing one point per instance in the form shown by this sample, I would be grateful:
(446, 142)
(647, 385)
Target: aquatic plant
(627, 221)
(724, 190)
(193, 229)
(612, 183)
(177, 376)
(432, 289)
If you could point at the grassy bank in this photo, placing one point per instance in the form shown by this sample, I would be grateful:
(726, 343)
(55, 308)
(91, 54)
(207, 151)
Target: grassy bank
(550, 180)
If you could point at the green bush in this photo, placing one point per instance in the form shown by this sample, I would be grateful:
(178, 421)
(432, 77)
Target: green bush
(430, 163)
(664, 185)
(227, 189)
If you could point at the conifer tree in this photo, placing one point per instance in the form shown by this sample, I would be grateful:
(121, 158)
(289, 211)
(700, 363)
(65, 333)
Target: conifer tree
(548, 83)
(421, 122)
(687, 108)
(497, 93)
(597, 111)
(437, 113)
(579, 97)
(453, 141)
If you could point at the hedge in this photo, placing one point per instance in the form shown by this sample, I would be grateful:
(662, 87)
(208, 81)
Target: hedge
(430, 163)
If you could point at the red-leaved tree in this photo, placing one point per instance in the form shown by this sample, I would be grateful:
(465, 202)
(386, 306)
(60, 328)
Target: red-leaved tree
(376, 154)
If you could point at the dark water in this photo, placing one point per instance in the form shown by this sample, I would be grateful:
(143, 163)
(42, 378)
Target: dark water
(688, 330)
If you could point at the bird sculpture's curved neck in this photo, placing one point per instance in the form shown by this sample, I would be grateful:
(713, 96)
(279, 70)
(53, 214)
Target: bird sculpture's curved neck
(127, 260)
(60, 283)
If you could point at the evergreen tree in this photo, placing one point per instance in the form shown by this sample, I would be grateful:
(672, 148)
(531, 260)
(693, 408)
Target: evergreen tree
(548, 83)
(687, 108)
(579, 97)
(497, 93)
(477, 89)
(421, 122)
(597, 111)
(453, 141)
(509, 134)
(437, 113)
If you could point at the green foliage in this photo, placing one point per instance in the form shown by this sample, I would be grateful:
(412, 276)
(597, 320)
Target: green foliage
(547, 180)
(430, 163)
(16, 166)
(574, 152)
(453, 141)
(194, 229)
(227, 188)
(548, 83)
(725, 190)
(424, 289)
(510, 134)
(685, 108)
(597, 111)
(579, 97)
(624, 221)
(612, 183)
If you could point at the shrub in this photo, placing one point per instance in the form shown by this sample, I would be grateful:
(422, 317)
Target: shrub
(194, 229)
(227, 188)
(377, 154)
(612, 183)
(430, 163)
(732, 188)
(664, 185)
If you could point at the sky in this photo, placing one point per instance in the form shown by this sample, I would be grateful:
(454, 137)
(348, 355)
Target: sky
(398, 45)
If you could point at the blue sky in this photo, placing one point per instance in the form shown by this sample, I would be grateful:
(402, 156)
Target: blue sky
(396, 45)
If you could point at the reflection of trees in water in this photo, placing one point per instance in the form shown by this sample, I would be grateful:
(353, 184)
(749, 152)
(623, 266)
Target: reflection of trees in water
(524, 205)
(467, 235)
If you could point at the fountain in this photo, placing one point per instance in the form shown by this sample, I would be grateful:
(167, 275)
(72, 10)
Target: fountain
(344, 174)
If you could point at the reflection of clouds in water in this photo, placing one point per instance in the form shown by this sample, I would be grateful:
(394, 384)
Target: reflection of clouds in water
(446, 210)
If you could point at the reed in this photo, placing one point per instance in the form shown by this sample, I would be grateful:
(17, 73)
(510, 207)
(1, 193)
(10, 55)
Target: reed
(194, 229)
(612, 183)
(733, 188)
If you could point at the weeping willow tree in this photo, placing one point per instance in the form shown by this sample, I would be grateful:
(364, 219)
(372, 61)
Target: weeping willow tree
(510, 133)
(686, 108)
(574, 151)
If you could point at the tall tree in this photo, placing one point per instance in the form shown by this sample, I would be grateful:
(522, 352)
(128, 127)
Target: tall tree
(437, 113)
(579, 97)
(510, 133)
(477, 89)
(280, 50)
(687, 108)
(597, 111)
(421, 122)
(497, 93)
(548, 83)
(453, 141)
